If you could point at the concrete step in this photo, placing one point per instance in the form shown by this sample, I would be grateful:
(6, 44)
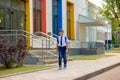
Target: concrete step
(47, 58)
(54, 60)
(40, 56)
(43, 51)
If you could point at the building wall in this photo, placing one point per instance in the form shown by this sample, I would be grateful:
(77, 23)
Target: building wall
(31, 16)
(92, 31)
(80, 7)
(81, 32)
(97, 33)
(82, 35)
(64, 16)
(49, 15)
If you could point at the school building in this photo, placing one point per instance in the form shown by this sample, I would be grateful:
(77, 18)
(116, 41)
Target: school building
(86, 30)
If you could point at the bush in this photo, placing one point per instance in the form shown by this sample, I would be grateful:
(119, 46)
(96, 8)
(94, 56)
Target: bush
(12, 54)
(116, 45)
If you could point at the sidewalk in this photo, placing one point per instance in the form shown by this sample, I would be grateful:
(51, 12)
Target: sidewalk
(76, 69)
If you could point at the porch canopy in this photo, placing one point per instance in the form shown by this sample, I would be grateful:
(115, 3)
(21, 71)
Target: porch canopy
(89, 21)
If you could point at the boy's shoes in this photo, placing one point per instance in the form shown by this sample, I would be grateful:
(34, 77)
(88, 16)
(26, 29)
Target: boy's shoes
(64, 68)
(60, 68)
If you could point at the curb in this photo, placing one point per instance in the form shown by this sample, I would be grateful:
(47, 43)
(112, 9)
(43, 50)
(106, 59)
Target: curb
(90, 75)
(19, 73)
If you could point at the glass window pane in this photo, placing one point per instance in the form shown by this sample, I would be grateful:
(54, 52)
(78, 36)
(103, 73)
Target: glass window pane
(7, 18)
(68, 22)
(18, 5)
(55, 21)
(37, 16)
(68, 7)
(21, 20)
(1, 18)
(5, 3)
(38, 20)
(14, 17)
(55, 11)
(55, 2)
(38, 4)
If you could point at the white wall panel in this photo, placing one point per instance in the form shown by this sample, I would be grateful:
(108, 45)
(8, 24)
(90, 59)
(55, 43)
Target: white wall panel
(31, 16)
(49, 15)
(64, 16)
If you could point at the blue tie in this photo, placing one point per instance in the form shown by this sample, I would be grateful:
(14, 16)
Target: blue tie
(61, 41)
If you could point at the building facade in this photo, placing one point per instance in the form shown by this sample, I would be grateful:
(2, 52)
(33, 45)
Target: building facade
(76, 17)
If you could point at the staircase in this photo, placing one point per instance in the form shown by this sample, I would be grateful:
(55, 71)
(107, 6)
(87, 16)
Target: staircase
(42, 46)
(47, 49)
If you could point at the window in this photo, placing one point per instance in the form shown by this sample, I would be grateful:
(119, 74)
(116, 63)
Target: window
(70, 21)
(5, 3)
(7, 18)
(37, 16)
(21, 21)
(12, 16)
(55, 16)
(18, 5)
(55, 3)
(2, 19)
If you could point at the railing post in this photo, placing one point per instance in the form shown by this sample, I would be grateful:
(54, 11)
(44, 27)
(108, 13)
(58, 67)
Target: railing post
(46, 49)
(49, 43)
(42, 51)
(32, 41)
(46, 45)
(16, 35)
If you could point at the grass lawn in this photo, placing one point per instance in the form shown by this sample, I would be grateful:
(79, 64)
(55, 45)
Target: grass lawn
(116, 50)
(90, 57)
(22, 69)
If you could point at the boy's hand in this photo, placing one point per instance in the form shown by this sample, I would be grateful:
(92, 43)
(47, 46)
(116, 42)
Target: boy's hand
(66, 50)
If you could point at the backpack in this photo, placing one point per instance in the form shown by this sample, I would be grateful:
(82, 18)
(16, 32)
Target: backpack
(58, 39)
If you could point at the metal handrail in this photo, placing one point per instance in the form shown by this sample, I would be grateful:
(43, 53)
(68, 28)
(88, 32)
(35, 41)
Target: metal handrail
(46, 35)
(72, 44)
(29, 34)
(54, 35)
(44, 41)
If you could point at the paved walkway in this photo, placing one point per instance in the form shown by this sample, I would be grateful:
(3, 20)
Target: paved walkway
(75, 69)
(113, 74)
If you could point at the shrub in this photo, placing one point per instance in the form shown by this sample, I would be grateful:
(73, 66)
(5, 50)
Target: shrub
(12, 54)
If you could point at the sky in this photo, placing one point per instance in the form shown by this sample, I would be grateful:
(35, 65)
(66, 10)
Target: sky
(97, 2)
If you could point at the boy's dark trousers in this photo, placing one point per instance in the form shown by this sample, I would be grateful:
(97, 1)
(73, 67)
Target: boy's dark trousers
(62, 54)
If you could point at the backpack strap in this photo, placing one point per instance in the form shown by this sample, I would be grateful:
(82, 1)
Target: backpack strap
(65, 39)
(58, 40)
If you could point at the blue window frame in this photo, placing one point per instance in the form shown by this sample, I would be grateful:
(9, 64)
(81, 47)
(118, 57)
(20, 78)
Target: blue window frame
(57, 16)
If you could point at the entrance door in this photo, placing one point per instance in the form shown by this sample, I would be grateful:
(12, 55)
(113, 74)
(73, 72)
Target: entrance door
(18, 20)
(14, 20)
(12, 17)
(11, 20)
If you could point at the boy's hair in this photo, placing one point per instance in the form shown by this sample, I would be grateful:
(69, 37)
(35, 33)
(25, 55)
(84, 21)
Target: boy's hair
(61, 30)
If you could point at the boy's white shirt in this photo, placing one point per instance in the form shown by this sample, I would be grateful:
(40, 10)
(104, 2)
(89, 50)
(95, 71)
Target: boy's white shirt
(64, 43)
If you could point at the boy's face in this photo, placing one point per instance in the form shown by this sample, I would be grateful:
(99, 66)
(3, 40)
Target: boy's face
(61, 33)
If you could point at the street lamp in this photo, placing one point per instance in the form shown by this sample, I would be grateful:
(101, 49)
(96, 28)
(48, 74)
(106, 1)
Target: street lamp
(107, 34)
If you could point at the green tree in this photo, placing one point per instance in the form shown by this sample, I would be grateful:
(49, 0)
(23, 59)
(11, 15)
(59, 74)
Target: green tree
(111, 11)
